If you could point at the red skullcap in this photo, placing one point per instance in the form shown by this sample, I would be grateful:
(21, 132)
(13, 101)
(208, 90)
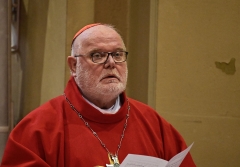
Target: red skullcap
(83, 29)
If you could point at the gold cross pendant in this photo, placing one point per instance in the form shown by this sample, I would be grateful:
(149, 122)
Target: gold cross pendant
(114, 162)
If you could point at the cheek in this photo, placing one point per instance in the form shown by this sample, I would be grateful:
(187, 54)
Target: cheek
(123, 71)
(126, 76)
(89, 76)
(86, 65)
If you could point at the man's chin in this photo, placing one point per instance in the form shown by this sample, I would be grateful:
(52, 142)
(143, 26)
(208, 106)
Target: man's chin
(112, 89)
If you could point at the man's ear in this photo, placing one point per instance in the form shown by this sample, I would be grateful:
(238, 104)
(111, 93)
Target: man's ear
(72, 63)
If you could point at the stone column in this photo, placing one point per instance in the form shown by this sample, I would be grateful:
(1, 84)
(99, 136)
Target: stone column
(4, 71)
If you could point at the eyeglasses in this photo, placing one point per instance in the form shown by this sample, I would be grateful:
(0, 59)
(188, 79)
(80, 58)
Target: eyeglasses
(102, 57)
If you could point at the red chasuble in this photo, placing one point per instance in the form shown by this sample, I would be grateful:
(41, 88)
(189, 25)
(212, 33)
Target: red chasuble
(54, 136)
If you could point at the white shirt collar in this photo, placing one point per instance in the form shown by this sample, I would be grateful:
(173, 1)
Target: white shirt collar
(112, 110)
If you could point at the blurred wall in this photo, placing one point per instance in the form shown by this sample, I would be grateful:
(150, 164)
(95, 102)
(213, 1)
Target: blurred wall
(4, 72)
(198, 80)
(45, 32)
(42, 49)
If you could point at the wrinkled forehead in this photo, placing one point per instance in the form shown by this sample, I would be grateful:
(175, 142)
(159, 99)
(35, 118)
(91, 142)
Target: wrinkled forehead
(96, 34)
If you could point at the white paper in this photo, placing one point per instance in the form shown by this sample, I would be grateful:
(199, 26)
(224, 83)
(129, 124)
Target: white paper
(133, 160)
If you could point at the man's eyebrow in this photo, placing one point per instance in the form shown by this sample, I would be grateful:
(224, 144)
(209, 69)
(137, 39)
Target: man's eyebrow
(120, 49)
(95, 50)
(101, 50)
(115, 50)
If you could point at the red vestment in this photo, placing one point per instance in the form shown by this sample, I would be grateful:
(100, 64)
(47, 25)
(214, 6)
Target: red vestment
(54, 136)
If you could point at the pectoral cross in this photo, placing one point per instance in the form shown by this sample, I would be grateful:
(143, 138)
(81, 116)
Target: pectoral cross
(114, 162)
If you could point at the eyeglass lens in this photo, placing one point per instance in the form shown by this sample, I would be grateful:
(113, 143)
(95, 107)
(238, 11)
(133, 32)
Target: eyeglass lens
(101, 57)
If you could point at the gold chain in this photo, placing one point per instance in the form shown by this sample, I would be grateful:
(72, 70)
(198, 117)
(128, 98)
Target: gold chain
(95, 133)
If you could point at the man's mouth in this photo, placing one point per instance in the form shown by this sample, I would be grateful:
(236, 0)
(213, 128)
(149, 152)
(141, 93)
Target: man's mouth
(111, 76)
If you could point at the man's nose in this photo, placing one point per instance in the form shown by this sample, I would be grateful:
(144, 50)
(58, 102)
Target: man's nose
(110, 62)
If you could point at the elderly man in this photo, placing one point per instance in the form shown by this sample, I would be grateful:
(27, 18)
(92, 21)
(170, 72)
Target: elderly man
(93, 123)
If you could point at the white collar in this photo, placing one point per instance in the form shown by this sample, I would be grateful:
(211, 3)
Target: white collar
(112, 110)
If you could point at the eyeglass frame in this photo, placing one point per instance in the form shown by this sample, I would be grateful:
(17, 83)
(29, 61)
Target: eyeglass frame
(109, 53)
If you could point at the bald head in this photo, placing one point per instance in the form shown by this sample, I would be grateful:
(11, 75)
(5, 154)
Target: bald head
(83, 29)
(94, 33)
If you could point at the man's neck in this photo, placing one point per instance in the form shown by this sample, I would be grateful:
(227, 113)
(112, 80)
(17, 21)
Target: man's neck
(112, 110)
(104, 102)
